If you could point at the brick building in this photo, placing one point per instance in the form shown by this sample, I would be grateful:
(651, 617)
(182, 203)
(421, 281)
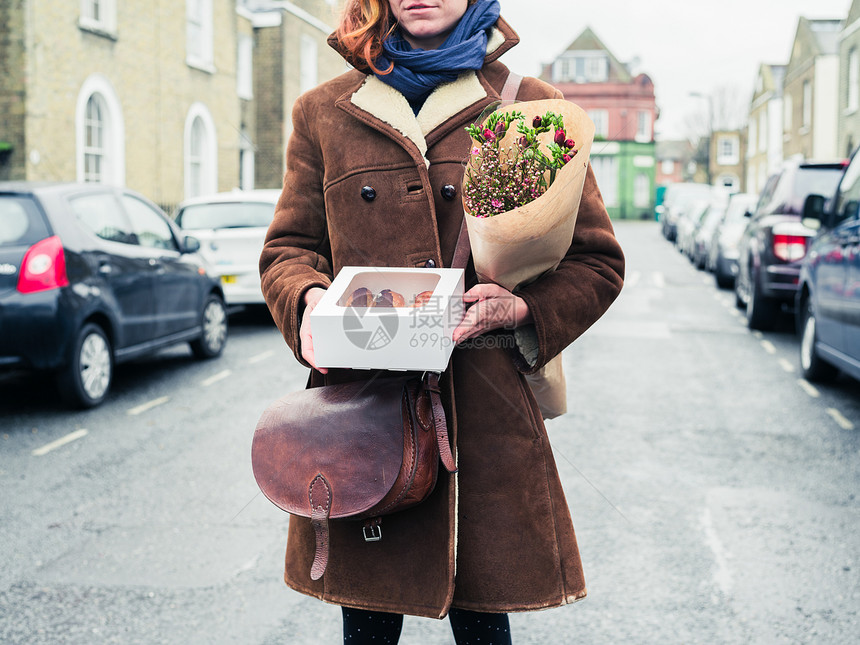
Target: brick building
(623, 108)
(764, 127)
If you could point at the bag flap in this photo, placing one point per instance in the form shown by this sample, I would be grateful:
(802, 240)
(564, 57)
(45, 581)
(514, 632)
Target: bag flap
(351, 434)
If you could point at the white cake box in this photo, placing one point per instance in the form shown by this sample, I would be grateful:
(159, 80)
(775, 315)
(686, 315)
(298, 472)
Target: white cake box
(389, 338)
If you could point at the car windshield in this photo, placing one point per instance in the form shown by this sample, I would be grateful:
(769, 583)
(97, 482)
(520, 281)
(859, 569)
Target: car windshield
(738, 208)
(226, 215)
(20, 222)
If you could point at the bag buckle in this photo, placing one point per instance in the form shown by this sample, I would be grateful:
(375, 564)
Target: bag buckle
(372, 530)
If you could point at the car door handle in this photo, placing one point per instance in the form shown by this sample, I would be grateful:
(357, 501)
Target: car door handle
(153, 262)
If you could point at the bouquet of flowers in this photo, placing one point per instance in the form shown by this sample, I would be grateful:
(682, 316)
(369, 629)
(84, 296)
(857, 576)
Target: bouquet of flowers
(521, 192)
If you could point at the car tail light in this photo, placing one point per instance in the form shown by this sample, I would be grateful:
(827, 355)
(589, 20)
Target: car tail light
(43, 267)
(789, 248)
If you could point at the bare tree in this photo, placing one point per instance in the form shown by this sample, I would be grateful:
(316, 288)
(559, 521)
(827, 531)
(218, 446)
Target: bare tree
(726, 108)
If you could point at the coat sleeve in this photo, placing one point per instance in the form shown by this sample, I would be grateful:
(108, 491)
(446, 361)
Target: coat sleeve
(569, 300)
(297, 253)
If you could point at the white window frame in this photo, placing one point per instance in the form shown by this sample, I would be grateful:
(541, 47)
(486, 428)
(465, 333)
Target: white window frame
(245, 67)
(727, 150)
(601, 122)
(807, 104)
(853, 100)
(753, 137)
(199, 35)
(113, 143)
(247, 161)
(762, 131)
(787, 113)
(308, 63)
(207, 159)
(98, 16)
(643, 126)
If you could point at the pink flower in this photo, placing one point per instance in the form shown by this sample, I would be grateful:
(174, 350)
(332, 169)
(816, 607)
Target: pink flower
(496, 203)
(488, 134)
(476, 151)
(560, 137)
(569, 143)
(566, 158)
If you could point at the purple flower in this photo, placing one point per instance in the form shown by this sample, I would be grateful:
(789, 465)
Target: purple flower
(560, 137)
(536, 122)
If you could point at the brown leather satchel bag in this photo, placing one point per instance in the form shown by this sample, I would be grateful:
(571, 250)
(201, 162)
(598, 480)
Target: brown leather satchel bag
(357, 450)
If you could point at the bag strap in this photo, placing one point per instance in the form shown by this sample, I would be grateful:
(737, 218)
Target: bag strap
(461, 252)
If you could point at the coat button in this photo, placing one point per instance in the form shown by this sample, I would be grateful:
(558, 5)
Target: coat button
(449, 192)
(430, 264)
(368, 193)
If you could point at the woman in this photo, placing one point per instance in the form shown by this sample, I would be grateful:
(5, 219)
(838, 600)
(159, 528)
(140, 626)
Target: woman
(374, 166)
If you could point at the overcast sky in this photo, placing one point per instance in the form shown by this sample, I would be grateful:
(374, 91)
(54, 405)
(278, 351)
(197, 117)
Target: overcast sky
(683, 45)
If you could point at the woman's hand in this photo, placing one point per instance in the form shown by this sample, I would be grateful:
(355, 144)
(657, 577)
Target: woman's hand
(493, 307)
(312, 297)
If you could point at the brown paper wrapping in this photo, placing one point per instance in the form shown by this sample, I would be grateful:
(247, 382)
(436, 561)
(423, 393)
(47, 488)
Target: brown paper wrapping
(516, 247)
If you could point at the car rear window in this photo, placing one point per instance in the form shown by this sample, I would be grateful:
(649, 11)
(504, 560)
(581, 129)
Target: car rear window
(813, 181)
(21, 223)
(226, 215)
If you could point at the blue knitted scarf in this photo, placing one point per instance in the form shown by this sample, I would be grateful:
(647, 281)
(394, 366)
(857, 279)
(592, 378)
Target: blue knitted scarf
(417, 72)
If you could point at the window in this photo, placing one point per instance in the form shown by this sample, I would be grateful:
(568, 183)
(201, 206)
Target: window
(99, 16)
(727, 150)
(667, 166)
(201, 152)
(151, 229)
(94, 139)
(102, 215)
(308, 65)
(606, 174)
(246, 160)
(853, 80)
(99, 134)
(807, 104)
(643, 125)
(198, 34)
(788, 113)
(762, 132)
(245, 67)
(849, 193)
(641, 191)
(601, 122)
(753, 137)
(584, 67)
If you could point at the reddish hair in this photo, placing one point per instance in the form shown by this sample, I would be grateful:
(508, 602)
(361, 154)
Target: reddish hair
(363, 26)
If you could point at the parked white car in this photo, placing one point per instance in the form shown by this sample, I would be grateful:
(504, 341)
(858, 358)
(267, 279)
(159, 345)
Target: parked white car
(231, 228)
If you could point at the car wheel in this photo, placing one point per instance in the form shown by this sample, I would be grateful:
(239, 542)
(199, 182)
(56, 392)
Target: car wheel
(214, 333)
(761, 311)
(87, 377)
(812, 366)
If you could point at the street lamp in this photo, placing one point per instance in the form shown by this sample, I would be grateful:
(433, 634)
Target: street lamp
(710, 101)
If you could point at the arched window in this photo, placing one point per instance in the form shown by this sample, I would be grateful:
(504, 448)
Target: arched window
(201, 152)
(99, 133)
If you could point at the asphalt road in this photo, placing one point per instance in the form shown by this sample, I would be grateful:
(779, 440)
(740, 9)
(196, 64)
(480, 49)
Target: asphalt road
(713, 490)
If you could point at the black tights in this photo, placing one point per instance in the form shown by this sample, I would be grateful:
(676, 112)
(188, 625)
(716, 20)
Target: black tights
(361, 627)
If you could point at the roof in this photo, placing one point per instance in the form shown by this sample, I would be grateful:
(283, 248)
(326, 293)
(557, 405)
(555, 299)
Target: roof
(588, 41)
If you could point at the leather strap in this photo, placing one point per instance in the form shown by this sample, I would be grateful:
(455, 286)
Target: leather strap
(319, 494)
(432, 386)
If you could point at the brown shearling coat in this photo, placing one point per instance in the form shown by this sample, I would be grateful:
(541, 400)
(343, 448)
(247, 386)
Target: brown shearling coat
(497, 536)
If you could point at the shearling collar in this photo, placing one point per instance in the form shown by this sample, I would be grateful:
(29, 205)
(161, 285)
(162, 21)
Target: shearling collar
(380, 102)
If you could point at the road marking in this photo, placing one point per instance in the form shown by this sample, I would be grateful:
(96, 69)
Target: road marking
(220, 376)
(808, 388)
(768, 347)
(659, 280)
(148, 406)
(261, 357)
(633, 279)
(722, 575)
(837, 416)
(59, 443)
(758, 335)
(786, 365)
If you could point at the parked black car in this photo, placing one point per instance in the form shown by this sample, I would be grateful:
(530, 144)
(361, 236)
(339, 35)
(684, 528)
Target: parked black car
(91, 275)
(828, 301)
(775, 241)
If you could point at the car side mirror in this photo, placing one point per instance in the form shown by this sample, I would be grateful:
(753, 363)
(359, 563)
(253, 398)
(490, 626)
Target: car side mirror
(190, 244)
(748, 214)
(813, 212)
